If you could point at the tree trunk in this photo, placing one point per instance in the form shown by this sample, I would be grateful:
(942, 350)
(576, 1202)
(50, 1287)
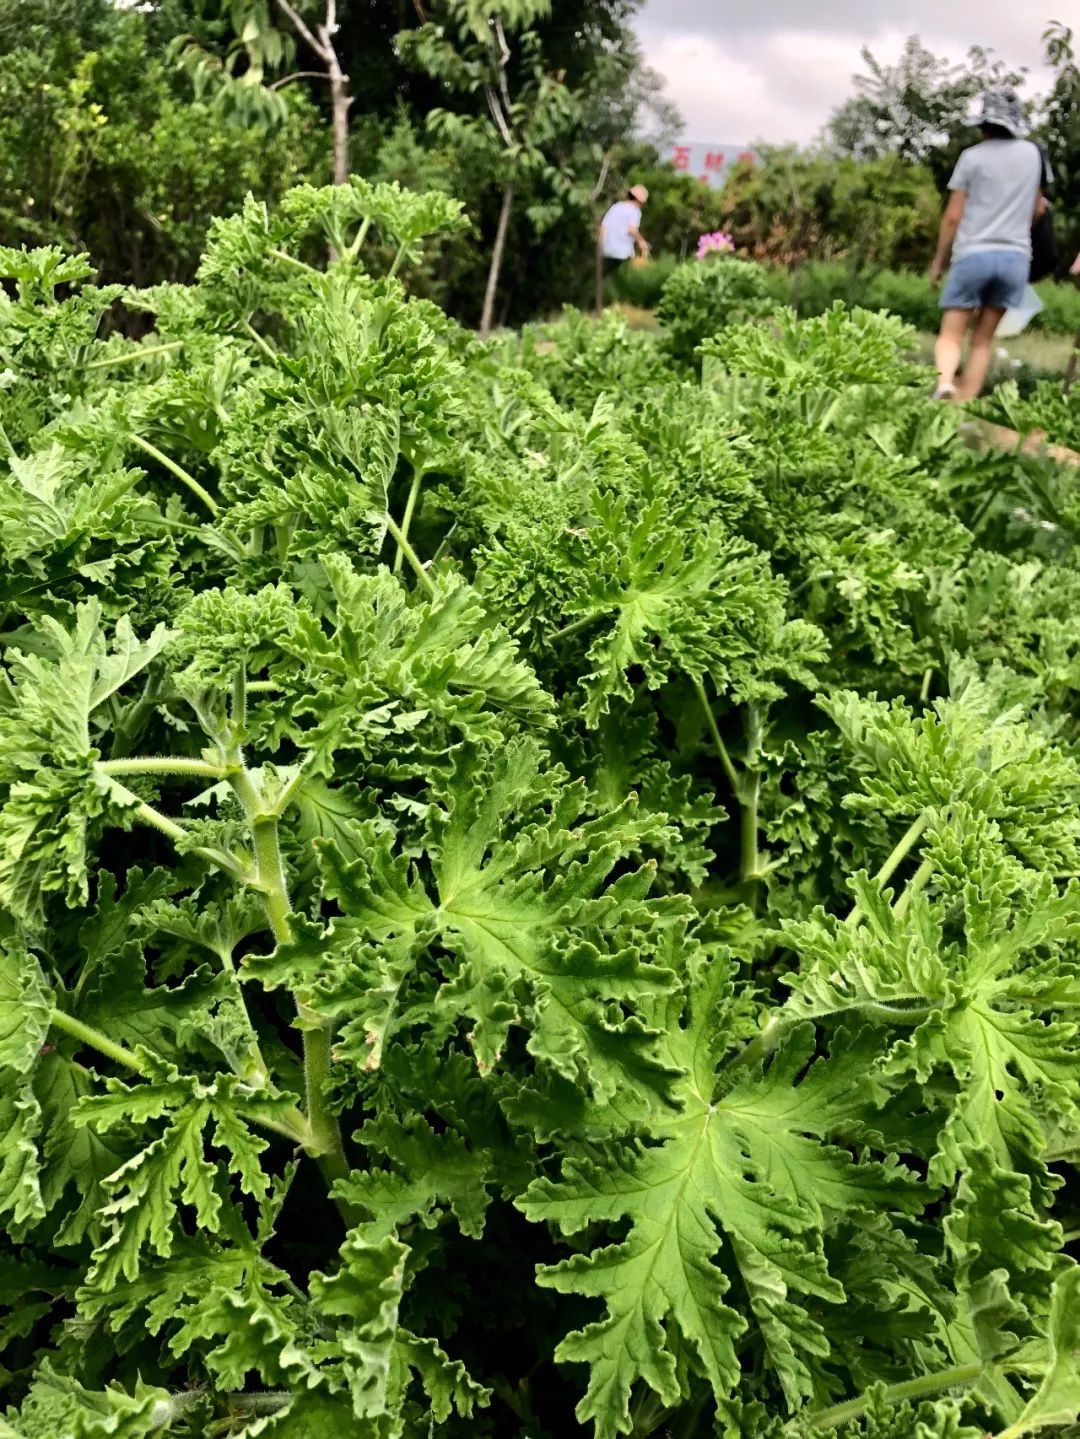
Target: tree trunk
(598, 261)
(496, 260)
(321, 41)
(340, 101)
(1070, 368)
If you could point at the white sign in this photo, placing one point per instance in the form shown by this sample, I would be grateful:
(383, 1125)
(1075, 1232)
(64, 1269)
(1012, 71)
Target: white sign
(711, 164)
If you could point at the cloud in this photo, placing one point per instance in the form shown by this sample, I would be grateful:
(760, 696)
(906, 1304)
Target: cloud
(775, 71)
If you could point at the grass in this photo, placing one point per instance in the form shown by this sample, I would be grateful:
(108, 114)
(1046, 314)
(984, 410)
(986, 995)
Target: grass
(1048, 354)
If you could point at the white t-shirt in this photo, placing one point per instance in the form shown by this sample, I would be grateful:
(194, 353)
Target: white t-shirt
(1001, 179)
(615, 228)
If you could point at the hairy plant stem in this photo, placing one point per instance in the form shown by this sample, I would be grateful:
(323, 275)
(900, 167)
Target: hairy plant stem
(918, 881)
(406, 519)
(907, 843)
(130, 726)
(120, 1054)
(958, 1377)
(132, 356)
(94, 1038)
(576, 626)
(745, 787)
(325, 1143)
(253, 334)
(292, 260)
(178, 470)
(161, 765)
(147, 814)
(410, 554)
(763, 1044)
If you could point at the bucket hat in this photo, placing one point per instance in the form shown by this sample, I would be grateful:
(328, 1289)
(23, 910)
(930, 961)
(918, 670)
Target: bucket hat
(1002, 107)
(640, 193)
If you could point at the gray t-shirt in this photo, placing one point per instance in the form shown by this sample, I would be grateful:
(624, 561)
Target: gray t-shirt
(1001, 179)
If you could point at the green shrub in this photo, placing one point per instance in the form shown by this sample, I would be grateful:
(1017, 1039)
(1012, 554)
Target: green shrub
(834, 350)
(911, 296)
(816, 287)
(702, 297)
(580, 358)
(642, 285)
(1061, 307)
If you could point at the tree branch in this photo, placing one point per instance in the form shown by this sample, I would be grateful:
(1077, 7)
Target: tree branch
(299, 75)
(595, 192)
(497, 115)
(301, 27)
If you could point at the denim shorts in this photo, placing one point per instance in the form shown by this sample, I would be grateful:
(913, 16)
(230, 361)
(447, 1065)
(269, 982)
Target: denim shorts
(986, 277)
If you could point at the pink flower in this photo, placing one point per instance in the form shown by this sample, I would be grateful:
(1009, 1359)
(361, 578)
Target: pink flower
(718, 242)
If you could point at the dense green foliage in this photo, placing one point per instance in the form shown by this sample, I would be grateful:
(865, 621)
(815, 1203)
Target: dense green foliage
(816, 286)
(537, 889)
(104, 148)
(704, 296)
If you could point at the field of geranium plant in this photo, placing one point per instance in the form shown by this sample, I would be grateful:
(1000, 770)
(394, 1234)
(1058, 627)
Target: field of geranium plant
(538, 878)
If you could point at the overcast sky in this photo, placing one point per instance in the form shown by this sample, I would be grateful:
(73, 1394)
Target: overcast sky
(745, 70)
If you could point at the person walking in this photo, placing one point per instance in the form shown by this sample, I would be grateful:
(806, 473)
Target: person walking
(996, 196)
(620, 229)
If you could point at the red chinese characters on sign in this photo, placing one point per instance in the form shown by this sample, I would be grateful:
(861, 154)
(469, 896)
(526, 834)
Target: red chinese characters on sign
(709, 163)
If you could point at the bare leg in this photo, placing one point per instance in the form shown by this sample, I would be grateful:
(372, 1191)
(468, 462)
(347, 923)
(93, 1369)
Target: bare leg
(978, 360)
(950, 344)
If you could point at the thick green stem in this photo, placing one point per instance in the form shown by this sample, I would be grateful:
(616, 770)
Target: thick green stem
(325, 1145)
(147, 814)
(746, 789)
(119, 1054)
(292, 260)
(759, 1048)
(910, 839)
(133, 355)
(927, 681)
(748, 794)
(358, 239)
(239, 703)
(958, 1377)
(94, 1039)
(178, 470)
(396, 262)
(577, 626)
(918, 881)
(718, 743)
(252, 333)
(410, 554)
(406, 519)
(161, 765)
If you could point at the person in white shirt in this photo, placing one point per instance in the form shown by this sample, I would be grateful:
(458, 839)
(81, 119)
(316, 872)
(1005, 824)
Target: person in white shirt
(996, 197)
(620, 229)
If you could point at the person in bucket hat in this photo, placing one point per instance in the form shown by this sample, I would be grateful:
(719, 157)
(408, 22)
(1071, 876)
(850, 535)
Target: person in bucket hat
(996, 195)
(620, 229)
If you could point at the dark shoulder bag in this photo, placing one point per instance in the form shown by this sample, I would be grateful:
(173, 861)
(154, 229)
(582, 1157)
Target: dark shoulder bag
(1044, 249)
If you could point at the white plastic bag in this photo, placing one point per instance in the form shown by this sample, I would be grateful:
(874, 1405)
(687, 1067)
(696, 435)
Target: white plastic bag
(1021, 316)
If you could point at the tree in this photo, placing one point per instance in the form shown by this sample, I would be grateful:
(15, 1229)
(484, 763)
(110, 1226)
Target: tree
(103, 149)
(917, 109)
(1059, 132)
(812, 204)
(267, 34)
(526, 112)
